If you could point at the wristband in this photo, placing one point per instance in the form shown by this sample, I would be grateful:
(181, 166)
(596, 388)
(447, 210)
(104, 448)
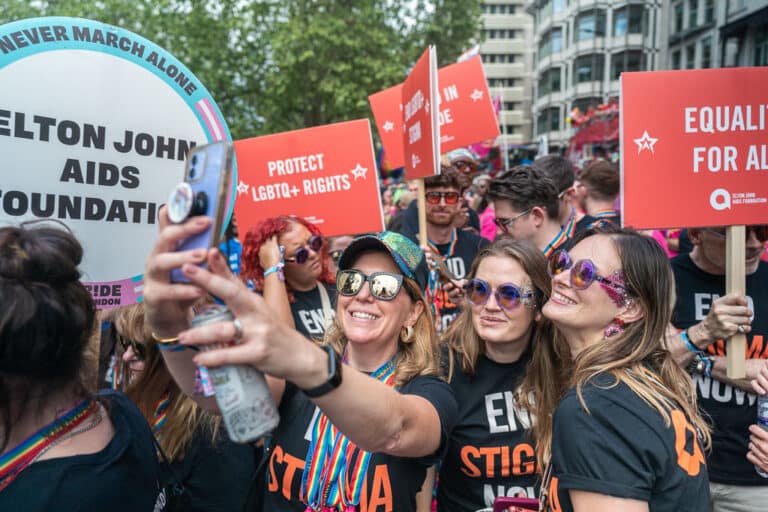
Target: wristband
(689, 344)
(279, 267)
(165, 341)
(175, 347)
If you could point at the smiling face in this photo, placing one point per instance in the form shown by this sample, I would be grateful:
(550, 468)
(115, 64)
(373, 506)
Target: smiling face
(442, 213)
(493, 324)
(367, 320)
(582, 315)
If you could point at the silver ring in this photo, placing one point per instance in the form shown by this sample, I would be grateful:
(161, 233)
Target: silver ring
(740, 329)
(238, 330)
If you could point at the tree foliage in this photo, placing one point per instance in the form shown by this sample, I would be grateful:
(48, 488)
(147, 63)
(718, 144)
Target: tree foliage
(279, 65)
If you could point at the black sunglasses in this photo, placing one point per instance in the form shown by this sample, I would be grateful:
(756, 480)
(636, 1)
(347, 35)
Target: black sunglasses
(301, 255)
(138, 348)
(384, 285)
(508, 295)
(760, 231)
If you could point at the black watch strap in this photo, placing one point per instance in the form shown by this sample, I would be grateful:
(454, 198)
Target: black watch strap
(334, 375)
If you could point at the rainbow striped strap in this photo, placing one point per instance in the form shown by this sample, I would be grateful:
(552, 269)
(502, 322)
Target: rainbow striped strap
(17, 460)
(161, 413)
(601, 214)
(335, 469)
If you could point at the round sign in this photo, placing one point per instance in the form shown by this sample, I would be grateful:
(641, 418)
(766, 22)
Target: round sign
(95, 126)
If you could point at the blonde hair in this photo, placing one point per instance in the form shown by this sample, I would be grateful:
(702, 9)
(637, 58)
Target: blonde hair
(417, 355)
(635, 357)
(183, 416)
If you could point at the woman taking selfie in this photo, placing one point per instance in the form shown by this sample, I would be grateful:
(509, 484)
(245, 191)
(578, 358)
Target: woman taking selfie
(363, 416)
(627, 435)
(489, 349)
(61, 447)
(286, 258)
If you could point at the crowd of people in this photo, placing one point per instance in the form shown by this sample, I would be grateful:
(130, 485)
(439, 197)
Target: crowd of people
(530, 349)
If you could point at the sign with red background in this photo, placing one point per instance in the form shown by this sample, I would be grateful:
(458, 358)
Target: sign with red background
(421, 132)
(694, 147)
(325, 174)
(466, 114)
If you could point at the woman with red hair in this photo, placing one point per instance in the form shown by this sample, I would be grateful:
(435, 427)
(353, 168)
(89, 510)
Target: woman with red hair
(287, 260)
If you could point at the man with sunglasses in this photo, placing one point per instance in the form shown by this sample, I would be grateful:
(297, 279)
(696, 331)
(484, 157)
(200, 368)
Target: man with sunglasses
(708, 317)
(527, 208)
(457, 247)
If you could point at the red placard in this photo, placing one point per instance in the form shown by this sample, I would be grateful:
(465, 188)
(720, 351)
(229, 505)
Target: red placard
(466, 114)
(421, 133)
(323, 174)
(694, 148)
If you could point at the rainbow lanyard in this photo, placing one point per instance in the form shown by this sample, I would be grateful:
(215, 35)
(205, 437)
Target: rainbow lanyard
(161, 413)
(564, 234)
(335, 469)
(17, 460)
(433, 283)
(601, 214)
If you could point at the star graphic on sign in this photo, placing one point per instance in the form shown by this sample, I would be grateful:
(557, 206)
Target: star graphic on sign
(388, 126)
(476, 95)
(242, 188)
(415, 160)
(645, 142)
(359, 172)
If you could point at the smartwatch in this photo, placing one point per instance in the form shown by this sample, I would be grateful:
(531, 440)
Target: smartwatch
(334, 375)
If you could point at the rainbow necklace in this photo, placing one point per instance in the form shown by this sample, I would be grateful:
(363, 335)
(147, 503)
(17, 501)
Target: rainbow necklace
(17, 460)
(564, 234)
(335, 469)
(434, 297)
(606, 212)
(161, 413)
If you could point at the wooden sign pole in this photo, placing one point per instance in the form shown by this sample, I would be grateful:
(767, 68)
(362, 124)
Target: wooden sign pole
(735, 282)
(423, 240)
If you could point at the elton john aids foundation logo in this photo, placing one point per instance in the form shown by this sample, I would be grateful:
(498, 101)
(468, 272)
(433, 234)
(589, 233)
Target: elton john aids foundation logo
(720, 199)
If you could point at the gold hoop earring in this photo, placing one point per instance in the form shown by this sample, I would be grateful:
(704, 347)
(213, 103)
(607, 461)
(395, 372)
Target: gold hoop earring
(406, 334)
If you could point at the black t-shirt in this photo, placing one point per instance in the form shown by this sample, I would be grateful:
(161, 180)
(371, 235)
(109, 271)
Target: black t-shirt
(308, 313)
(123, 477)
(731, 409)
(409, 224)
(490, 450)
(467, 246)
(391, 483)
(583, 224)
(217, 474)
(623, 448)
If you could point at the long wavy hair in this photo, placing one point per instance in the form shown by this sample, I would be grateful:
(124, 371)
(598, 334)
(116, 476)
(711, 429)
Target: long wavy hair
(263, 231)
(635, 357)
(416, 355)
(183, 416)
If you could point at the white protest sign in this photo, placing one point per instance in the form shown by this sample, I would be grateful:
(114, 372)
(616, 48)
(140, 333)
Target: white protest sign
(95, 125)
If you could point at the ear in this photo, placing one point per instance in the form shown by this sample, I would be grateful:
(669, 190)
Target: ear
(632, 312)
(694, 235)
(417, 308)
(538, 214)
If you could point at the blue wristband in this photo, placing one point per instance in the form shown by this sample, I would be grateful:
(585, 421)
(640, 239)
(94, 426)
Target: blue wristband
(707, 366)
(174, 347)
(279, 267)
(688, 344)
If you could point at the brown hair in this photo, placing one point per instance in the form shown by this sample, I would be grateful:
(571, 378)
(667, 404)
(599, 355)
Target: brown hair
(183, 416)
(601, 178)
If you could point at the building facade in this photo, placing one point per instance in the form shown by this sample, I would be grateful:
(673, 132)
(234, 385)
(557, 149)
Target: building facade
(701, 34)
(507, 59)
(581, 47)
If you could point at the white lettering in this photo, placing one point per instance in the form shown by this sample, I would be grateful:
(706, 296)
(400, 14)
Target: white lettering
(492, 413)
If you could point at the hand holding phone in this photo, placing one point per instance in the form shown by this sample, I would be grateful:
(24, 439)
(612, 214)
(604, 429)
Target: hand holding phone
(204, 191)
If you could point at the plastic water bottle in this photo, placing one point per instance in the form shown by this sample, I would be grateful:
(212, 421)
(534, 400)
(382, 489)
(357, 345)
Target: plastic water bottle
(762, 420)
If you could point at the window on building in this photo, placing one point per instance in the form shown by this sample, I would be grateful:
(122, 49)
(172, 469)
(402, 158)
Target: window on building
(510, 105)
(551, 42)
(549, 81)
(559, 5)
(679, 17)
(693, 13)
(502, 82)
(761, 46)
(511, 129)
(676, 59)
(545, 9)
(709, 11)
(628, 20)
(735, 6)
(589, 25)
(633, 60)
(548, 120)
(706, 52)
(584, 104)
(588, 68)
(690, 56)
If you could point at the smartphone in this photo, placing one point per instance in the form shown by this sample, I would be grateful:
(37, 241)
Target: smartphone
(503, 503)
(204, 191)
